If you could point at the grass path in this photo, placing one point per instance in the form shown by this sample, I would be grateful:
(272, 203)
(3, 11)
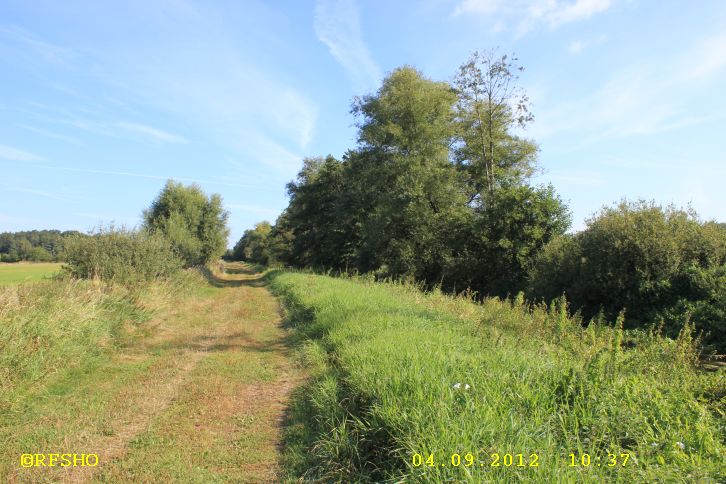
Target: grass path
(199, 398)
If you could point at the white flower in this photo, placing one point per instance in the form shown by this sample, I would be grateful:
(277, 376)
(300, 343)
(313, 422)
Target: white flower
(457, 386)
(654, 444)
(681, 445)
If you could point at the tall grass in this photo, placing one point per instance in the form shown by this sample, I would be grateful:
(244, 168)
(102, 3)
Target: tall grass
(397, 372)
(53, 327)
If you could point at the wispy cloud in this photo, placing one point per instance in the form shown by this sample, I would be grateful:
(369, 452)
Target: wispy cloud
(530, 13)
(48, 51)
(337, 25)
(264, 212)
(153, 133)
(155, 177)
(15, 154)
(50, 134)
(644, 98)
(31, 191)
(579, 45)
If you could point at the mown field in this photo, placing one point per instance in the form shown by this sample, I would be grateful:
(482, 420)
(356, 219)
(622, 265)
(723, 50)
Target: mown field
(14, 273)
(427, 388)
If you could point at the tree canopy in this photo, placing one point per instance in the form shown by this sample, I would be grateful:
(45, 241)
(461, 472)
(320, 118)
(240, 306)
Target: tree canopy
(194, 223)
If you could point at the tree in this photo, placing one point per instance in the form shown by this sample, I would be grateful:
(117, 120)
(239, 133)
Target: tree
(508, 234)
(315, 215)
(413, 192)
(195, 224)
(254, 246)
(490, 105)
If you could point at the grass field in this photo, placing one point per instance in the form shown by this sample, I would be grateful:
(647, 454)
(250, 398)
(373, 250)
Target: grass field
(197, 380)
(416, 387)
(27, 271)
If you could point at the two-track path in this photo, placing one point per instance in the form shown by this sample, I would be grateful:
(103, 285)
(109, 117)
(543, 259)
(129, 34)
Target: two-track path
(199, 398)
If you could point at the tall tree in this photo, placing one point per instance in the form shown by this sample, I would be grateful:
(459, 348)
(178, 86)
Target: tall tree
(490, 106)
(315, 214)
(403, 163)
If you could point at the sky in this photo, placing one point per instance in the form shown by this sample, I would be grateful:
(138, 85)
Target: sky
(101, 102)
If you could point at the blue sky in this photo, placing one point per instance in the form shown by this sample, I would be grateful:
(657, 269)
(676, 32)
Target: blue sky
(101, 102)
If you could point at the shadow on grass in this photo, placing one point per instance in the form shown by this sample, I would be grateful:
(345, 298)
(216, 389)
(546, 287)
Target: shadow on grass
(253, 280)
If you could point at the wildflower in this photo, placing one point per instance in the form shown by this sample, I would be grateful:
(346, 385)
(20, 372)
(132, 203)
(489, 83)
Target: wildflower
(681, 445)
(465, 386)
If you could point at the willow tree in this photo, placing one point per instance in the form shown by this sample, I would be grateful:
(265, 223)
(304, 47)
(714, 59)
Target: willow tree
(403, 164)
(195, 224)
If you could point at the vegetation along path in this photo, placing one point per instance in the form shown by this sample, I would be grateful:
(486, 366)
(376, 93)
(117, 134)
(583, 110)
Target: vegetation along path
(198, 398)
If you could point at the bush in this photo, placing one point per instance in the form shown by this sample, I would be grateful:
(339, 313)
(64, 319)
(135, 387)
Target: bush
(121, 256)
(645, 258)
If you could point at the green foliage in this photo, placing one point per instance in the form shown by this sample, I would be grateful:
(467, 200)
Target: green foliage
(385, 360)
(316, 216)
(121, 256)
(195, 224)
(653, 261)
(33, 245)
(507, 235)
(489, 106)
(254, 246)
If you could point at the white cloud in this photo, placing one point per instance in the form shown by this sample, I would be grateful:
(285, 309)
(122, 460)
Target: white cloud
(553, 13)
(10, 153)
(562, 13)
(337, 25)
(154, 133)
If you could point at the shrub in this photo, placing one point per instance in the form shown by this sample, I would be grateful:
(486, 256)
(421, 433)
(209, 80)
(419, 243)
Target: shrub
(121, 256)
(639, 256)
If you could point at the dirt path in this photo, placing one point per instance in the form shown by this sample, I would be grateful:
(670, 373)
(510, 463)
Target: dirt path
(209, 404)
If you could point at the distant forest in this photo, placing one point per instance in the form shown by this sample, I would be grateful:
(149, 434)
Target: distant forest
(34, 245)
(438, 190)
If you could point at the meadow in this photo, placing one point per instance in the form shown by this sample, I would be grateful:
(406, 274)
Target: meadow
(14, 273)
(423, 387)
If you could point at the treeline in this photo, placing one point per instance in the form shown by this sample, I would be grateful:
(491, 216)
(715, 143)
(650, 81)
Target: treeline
(34, 245)
(438, 190)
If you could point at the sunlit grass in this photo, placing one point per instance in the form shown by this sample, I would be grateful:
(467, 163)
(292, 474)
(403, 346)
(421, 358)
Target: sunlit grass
(17, 272)
(386, 359)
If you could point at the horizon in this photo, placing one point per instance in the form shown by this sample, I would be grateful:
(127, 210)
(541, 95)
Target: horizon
(102, 104)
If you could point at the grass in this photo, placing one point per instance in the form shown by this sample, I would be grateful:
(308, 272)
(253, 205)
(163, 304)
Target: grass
(17, 272)
(183, 381)
(385, 361)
